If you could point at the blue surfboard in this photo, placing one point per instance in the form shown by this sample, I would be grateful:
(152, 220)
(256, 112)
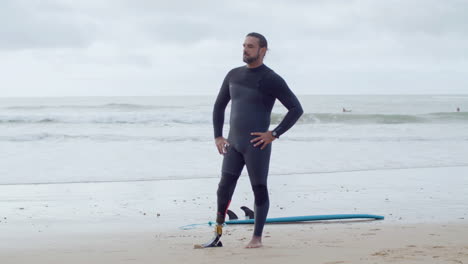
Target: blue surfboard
(307, 218)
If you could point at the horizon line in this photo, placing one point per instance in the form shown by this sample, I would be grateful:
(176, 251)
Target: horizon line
(203, 95)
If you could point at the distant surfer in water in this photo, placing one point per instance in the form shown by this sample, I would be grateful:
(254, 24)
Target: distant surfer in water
(345, 110)
(458, 109)
(252, 90)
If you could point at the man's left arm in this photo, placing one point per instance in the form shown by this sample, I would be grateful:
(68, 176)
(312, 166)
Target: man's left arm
(281, 91)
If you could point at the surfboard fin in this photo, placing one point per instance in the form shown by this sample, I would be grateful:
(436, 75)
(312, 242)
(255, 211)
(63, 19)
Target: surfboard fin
(215, 241)
(232, 215)
(249, 214)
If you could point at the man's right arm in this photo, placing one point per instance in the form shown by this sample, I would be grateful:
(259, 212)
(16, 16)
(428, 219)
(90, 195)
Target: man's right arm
(220, 106)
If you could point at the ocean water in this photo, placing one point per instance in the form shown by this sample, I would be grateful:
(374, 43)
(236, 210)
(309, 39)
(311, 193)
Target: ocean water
(101, 139)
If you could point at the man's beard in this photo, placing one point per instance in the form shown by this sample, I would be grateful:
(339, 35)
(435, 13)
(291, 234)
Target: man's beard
(249, 60)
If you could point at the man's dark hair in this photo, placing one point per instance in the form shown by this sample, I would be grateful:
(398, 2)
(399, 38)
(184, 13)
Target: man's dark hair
(261, 39)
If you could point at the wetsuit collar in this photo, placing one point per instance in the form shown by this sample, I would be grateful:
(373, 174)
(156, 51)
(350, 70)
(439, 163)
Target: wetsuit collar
(256, 69)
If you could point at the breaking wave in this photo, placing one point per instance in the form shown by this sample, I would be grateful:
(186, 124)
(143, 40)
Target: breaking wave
(186, 117)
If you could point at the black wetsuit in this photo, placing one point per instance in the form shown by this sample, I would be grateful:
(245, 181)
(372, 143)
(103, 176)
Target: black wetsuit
(253, 93)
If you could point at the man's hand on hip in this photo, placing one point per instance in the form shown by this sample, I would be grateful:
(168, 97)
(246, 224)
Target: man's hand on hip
(264, 138)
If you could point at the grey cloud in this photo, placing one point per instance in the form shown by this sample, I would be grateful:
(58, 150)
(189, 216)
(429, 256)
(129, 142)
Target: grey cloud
(42, 24)
(428, 17)
(325, 38)
(340, 18)
(180, 30)
(78, 24)
(186, 22)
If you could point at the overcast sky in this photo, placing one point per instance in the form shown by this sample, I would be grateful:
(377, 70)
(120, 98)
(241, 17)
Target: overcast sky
(155, 47)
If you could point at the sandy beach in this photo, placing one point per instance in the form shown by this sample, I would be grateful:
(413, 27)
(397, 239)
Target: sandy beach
(327, 243)
(139, 222)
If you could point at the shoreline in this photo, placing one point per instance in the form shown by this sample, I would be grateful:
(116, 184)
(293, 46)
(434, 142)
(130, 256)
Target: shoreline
(216, 176)
(425, 210)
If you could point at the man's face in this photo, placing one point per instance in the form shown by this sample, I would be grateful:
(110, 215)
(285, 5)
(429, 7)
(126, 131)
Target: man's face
(251, 50)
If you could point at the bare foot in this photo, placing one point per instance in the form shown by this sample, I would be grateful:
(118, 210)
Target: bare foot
(256, 242)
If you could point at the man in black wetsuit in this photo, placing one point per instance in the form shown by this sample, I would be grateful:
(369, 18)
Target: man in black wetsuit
(252, 90)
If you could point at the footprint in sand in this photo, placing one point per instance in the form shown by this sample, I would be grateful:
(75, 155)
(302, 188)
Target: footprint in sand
(381, 253)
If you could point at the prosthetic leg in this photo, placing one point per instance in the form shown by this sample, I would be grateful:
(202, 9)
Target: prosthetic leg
(215, 241)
